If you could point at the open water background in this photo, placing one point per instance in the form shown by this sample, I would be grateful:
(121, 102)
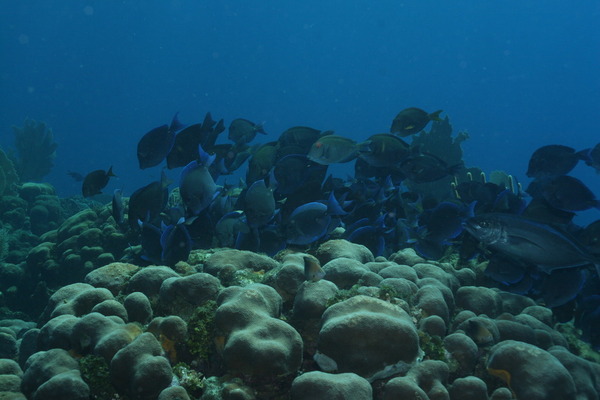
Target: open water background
(515, 74)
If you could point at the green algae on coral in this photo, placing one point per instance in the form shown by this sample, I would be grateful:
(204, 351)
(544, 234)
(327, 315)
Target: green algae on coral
(432, 346)
(191, 380)
(201, 328)
(343, 294)
(95, 372)
(240, 277)
(576, 345)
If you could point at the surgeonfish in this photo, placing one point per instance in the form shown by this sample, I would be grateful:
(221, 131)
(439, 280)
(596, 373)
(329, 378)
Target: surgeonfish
(413, 120)
(243, 131)
(95, 181)
(196, 185)
(553, 159)
(154, 146)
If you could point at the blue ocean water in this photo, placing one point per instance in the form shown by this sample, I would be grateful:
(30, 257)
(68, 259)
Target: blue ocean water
(515, 74)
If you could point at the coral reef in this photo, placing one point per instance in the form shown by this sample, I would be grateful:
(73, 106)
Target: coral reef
(380, 328)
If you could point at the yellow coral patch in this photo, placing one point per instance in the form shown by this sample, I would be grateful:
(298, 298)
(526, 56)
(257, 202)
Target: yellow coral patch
(169, 347)
(500, 373)
(220, 343)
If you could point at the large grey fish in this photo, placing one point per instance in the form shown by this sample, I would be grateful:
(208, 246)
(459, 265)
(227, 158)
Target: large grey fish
(530, 241)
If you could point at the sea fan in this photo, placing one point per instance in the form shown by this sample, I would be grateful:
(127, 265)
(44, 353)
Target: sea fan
(36, 150)
(3, 244)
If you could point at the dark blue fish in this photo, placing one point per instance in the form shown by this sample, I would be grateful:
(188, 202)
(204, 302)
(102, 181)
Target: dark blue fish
(373, 235)
(562, 286)
(271, 241)
(230, 157)
(229, 226)
(261, 162)
(490, 197)
(175, 242)
(154, 146)
(529, 241)
(590, 237)
(512, 275)
(185, 146)
(259, 204)
(266, 240)
(423, 168)
(312, 221)
(150, 240)
(444, 222)
(385, 150)
(293, 171)
(196, 185)
(564, 193)
(412, 120)
(95, 181)
(300, 138)
(243, 131)
(505, 271)
(538, 209)
(551, 160)
(430, 249)
(147, 202)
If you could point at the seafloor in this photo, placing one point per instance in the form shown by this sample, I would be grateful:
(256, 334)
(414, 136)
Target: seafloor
(231, 324)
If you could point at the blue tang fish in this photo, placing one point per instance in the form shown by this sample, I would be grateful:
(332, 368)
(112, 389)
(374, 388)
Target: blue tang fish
(154, 146)
(196, 185)
(175, 242)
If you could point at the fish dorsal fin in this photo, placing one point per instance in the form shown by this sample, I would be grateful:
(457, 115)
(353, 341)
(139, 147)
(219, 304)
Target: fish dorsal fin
(176, 126)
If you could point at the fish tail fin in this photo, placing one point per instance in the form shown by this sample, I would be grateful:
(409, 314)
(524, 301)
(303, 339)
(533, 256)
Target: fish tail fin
(435, 116)
(583, 154)
(364, 147)
(260, 128)
(164, 179)
(204, 158)
(471, 209)
(110, 172)
(333, 206)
